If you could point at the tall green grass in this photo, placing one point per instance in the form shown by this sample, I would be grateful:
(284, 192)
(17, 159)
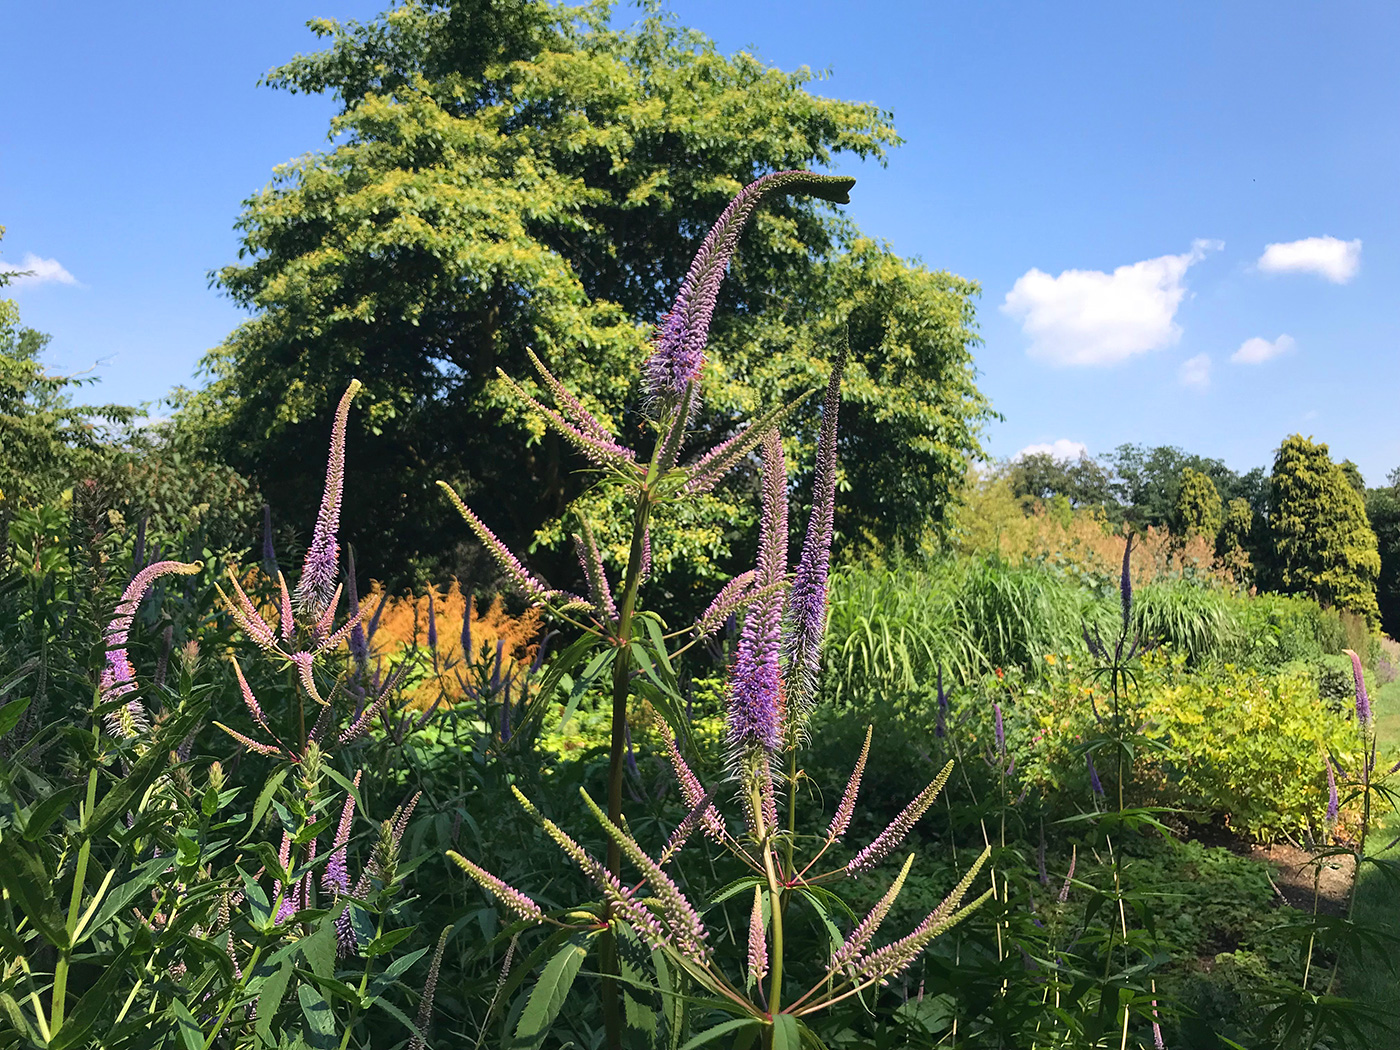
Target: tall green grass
(893, 626)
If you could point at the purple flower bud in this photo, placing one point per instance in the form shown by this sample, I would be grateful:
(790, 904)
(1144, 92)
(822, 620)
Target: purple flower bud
(359, 643)
(321, 568)
(680, 344)
(425, 1005)
(512, 898)
(1094, 781)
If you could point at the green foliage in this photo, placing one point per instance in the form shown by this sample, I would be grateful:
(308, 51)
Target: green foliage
(522, 175)
(1040, 476)
(45, 440)
(1323, 543)
(1383, 512)
(1148, 482)
(1198, 507)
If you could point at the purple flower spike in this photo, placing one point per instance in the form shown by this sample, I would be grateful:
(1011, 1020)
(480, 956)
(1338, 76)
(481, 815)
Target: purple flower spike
(336, 878)
(425, 1005)
(1333, 805)
(1125, 583)
(432, 623)
(359, 643)
(806, 603)
(534, 590)
(680, 344)
(509, 896)
(889, 839)
(322, 566)
(846, 808)
(1094, 781)
(118, 676)
(756, 692)
(1000, 732)
(1363, 700)
(1069, 875)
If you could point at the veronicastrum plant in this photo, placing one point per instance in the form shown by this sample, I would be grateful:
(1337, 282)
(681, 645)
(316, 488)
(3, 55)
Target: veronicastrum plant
(770, 693)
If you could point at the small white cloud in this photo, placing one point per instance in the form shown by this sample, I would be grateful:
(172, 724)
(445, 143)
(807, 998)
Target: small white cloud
(41, 271)
(1338, 261)
(1061, 448)
(1310, 414)
(1088, 317)
(1256, 351)
(1195, 371)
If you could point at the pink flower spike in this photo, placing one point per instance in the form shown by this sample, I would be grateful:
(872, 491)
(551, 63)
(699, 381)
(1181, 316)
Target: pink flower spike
(862, 934)
(889, 839)
(249, 700)
(758, 939)
(249, 620)
(322, 628)
(512, 898)
(533, 588)
(303, 663)
(289, 625)
(691, 790)
(322, 565)
(118, 677)
(847, 807)
(730, 599)
(1363, 699)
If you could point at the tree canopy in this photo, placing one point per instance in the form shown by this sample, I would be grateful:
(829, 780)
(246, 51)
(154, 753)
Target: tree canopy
(1199, 511)
(518, 175)
(1323, 543)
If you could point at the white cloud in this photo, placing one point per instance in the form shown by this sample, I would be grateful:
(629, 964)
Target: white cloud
(1088, 317)
(42, 271)
(1328, 257)
(1195, 371)
(1256, 351)
(1061, 448)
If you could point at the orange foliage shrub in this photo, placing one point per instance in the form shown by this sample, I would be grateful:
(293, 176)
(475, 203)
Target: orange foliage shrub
(403, 627)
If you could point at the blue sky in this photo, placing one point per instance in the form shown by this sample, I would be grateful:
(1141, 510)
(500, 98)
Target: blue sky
(1112, 174)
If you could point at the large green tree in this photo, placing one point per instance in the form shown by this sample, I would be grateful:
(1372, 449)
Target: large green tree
(1323, 544)
(511, 174)
(1199, 510)
(1383, 510)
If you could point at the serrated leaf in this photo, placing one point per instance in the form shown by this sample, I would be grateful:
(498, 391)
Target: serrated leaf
(320, 1019)
(547, 997)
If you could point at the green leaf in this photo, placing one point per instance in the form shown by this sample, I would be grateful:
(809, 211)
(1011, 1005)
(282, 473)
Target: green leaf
(385, 943)
(319, 948)
(96, 1001)
(31, 887)
(141, 775)
(787, 1032)
(547, 997)
(391, 973)
(11, 713)
(265, 800)
(48, 810)
(270, 998)
(721, 1030)
(187, 1027)
(320, 1019)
